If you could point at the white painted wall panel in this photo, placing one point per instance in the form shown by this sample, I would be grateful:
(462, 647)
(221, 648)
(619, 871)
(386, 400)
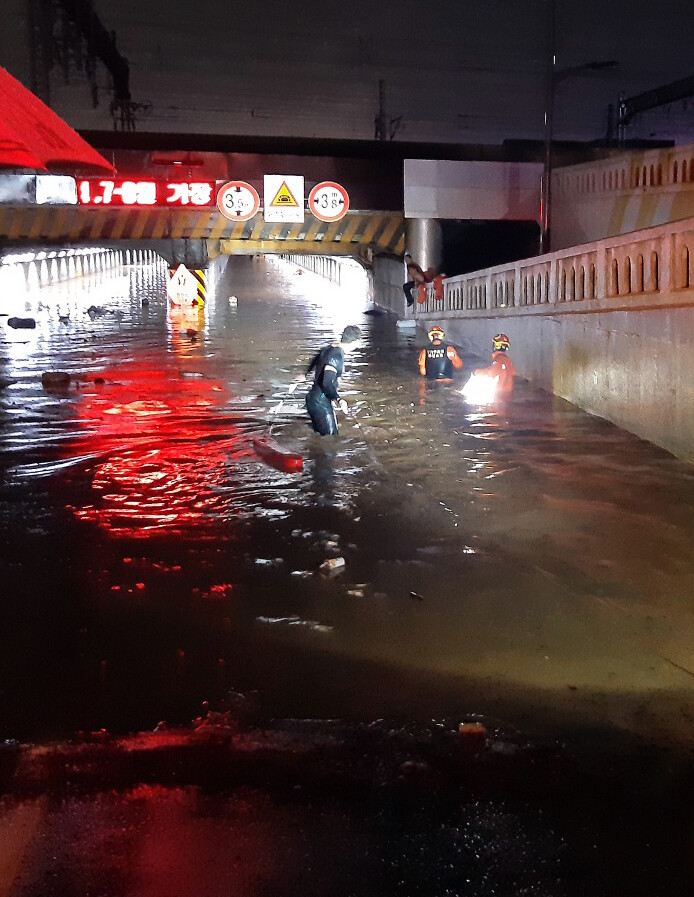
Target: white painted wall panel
(472, 190)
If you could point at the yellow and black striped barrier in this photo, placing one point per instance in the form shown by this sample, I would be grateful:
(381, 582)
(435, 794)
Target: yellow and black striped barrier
(201, 276)
(383, 232)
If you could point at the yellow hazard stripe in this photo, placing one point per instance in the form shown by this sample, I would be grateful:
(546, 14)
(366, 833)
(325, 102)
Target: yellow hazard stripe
(77, 223)
(258, 225)
(388, 233)
(371, 228)
(218, 227)
(350, 228)
(313, 229)
(122, 218)
(330, 231)
(36, 230)
(204, 221)
(275, 231)
(18, 225)
(201, 276)
(237, 230)
(140, 224)
(57, 223)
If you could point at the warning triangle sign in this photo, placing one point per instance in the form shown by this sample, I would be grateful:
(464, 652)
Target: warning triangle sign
(284, 197)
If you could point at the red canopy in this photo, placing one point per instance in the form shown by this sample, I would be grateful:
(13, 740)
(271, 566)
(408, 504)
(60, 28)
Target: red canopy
(33, 136)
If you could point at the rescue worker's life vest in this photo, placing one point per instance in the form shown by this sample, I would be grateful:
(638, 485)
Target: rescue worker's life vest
(437, 361)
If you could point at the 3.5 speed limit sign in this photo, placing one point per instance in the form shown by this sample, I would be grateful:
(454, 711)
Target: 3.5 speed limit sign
(328, 201)
(238, 201)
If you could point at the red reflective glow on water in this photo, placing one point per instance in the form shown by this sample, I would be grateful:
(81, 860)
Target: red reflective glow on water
(164, 451)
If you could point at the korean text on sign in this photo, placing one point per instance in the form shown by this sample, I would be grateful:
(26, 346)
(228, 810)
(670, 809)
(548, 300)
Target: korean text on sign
(107, 192)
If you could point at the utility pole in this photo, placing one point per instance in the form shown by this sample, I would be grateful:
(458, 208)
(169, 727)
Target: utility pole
(384, 127)
(545, 196)
(553, 80)
(381, 123)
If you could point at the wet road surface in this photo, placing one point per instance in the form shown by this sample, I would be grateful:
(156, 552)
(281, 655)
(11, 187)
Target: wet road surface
(526, 565)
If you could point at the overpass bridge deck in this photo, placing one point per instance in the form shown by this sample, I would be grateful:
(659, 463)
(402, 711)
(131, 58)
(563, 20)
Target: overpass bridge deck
(358, 233)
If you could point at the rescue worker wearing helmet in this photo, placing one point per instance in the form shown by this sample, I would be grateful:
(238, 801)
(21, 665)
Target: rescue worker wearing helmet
(501, 366)
(438, 360)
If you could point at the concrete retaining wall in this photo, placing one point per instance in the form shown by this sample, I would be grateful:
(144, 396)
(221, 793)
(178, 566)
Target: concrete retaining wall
(608, 326)
(387, 277)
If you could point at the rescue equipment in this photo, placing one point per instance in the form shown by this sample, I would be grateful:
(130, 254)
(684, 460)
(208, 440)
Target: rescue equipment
(276, 456)
(480, 389)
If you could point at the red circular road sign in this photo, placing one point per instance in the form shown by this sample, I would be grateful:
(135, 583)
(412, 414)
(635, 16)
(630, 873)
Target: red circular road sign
(328, 201)
(238, 201)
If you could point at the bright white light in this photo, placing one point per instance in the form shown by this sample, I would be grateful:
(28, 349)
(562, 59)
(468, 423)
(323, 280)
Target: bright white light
(480, 389)
(17, 258)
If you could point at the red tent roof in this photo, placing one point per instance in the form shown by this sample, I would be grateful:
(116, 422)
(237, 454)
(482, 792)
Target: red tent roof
(33, 136)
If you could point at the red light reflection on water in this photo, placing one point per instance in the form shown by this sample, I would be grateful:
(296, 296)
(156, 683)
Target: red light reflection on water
(165, 449)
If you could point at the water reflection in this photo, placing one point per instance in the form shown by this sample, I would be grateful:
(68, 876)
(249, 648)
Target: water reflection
(526, 558)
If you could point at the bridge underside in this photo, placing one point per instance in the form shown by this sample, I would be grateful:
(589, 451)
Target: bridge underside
(196, 236)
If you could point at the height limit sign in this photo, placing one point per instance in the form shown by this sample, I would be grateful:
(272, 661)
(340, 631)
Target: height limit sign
(328, 201)
(238, 201)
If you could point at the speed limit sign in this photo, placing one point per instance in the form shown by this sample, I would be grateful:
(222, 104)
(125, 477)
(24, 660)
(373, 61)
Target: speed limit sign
(328, 201)
(238, 201)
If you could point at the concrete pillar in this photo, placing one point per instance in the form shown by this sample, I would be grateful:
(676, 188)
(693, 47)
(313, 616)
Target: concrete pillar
(424, 240)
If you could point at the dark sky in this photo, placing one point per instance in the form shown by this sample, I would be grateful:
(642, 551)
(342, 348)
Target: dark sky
(469, 71)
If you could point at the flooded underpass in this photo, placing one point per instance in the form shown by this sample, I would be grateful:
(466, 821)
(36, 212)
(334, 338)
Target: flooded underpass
(492, 696)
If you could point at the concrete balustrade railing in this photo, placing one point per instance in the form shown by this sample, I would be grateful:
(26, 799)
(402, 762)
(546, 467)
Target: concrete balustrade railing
(607, 325)
(622, 272)
(43, 267)
(621, 194)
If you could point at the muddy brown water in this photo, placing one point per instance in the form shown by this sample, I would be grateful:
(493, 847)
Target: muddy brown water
(528, 564)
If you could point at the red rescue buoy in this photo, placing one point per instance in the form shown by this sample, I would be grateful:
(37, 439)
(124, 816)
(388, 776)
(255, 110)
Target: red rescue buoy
(278, 457)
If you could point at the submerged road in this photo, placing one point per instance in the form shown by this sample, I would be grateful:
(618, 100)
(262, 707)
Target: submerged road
(526, 566)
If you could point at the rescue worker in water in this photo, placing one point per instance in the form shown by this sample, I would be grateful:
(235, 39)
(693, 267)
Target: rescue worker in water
(328, 366)
(437, 361)
(501, 367)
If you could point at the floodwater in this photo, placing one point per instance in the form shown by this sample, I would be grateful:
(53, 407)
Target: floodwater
(526, 565)
(528, 562)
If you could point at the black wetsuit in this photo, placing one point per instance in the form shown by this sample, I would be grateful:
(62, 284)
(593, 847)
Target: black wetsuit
(328, 365)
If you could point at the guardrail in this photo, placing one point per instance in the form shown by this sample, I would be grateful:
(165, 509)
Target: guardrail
(641, 269)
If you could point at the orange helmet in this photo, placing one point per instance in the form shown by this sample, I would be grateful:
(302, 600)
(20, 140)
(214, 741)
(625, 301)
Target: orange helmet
(500, 342)
(436, 333)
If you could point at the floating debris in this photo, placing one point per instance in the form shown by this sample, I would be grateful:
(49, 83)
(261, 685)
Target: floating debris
(21, 323)
(332, 565)
(313, 625)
